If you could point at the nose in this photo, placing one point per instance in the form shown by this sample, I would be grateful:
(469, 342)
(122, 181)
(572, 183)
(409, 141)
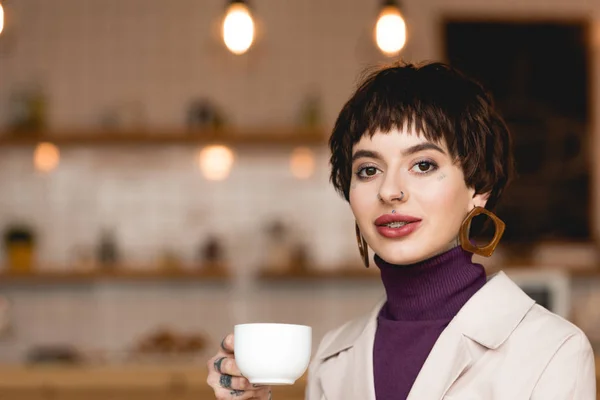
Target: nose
(390, 190)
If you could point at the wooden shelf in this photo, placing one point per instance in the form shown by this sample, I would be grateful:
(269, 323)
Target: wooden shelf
(357, 273)
(222, 275)
(232, 137)
(573, 272)
(51, 278)
(341, 274)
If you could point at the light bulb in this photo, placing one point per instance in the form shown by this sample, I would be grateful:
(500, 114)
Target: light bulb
(238, 28)
(390, 31)
(46, 157)
(1, 18)
(215, 162)
(302, 163)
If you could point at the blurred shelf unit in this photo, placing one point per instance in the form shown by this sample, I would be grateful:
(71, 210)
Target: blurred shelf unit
(254, 137)
(573, 272)
(361, 274)
(60, 278)
(356, 274)
(207, 276)
(338, 275)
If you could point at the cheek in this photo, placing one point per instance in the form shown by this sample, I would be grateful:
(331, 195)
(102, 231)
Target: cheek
(447, 198)
(362, 199)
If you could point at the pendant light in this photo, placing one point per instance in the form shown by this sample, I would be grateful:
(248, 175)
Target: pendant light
(390, 30)
(238, 27)
(1, 18)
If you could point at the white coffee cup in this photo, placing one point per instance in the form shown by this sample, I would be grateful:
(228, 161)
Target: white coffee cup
(272, 354)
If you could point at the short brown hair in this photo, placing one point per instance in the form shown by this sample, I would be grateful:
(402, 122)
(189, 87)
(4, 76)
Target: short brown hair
(440, 103)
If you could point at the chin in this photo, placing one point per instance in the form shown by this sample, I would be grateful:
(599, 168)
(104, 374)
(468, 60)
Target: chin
(404, 254)
(404, 260)
(409, 251)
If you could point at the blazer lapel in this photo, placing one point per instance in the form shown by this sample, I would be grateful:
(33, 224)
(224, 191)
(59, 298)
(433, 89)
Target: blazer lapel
(361, 370)
(488, 318)
(347, 369)
(447, 360)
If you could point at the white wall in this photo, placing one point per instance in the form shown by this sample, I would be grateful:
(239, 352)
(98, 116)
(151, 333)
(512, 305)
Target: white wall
(95, 54)
(92, 54)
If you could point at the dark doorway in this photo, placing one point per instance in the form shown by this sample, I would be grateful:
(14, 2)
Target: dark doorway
(539, 76)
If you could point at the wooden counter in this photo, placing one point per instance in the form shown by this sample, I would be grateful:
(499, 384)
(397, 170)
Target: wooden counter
(127, 382)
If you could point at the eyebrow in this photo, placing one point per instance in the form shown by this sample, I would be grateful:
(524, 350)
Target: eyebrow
(407, 152)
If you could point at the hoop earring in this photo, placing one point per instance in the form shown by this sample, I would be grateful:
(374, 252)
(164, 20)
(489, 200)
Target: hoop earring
(465, 228)
(362, 246)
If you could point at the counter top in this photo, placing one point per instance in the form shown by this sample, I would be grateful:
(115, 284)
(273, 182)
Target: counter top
(123, 376)
(142, 379)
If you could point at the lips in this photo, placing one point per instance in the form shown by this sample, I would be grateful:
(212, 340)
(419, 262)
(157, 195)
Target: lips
(389, 218)
(410, 224)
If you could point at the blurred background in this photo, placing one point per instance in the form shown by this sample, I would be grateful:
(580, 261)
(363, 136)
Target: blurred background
(164, 173)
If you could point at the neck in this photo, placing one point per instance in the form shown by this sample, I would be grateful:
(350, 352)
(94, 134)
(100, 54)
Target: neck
(432, 289)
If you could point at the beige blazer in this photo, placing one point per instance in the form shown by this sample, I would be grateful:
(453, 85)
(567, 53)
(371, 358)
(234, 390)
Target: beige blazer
(500, 346)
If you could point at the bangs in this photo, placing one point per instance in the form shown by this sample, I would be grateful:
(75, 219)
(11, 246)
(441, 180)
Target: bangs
(407, 99)
(414, 115)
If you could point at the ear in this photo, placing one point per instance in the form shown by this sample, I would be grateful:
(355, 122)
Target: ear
(480, 199)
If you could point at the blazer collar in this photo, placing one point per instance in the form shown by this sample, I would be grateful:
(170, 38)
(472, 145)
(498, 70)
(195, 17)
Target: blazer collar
(350, 377)
(493, 313)
(350, 333)
(488, 318)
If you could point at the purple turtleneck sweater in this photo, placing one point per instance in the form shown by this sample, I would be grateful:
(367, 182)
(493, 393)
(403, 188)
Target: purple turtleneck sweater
(422, 298)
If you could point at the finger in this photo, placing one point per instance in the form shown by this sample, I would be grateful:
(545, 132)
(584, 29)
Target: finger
(239, 393)
(234, 382)
(227, 344)
(229, 394)
(232, 394)
(218, 364)
(227, 365)
(215, 363)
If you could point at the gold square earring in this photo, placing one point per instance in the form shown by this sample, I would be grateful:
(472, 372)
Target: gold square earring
(362, 246)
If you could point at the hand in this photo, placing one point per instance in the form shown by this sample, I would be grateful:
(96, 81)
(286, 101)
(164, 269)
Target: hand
(226, 379)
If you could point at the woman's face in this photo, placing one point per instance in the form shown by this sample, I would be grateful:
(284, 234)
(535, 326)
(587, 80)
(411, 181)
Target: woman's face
(426, 221)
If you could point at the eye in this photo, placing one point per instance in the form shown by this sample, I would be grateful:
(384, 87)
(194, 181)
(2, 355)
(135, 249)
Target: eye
(370, 171)
(424, 167)
(367, 172)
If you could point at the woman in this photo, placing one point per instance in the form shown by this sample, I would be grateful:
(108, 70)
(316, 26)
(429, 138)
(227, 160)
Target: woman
(418, 152)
